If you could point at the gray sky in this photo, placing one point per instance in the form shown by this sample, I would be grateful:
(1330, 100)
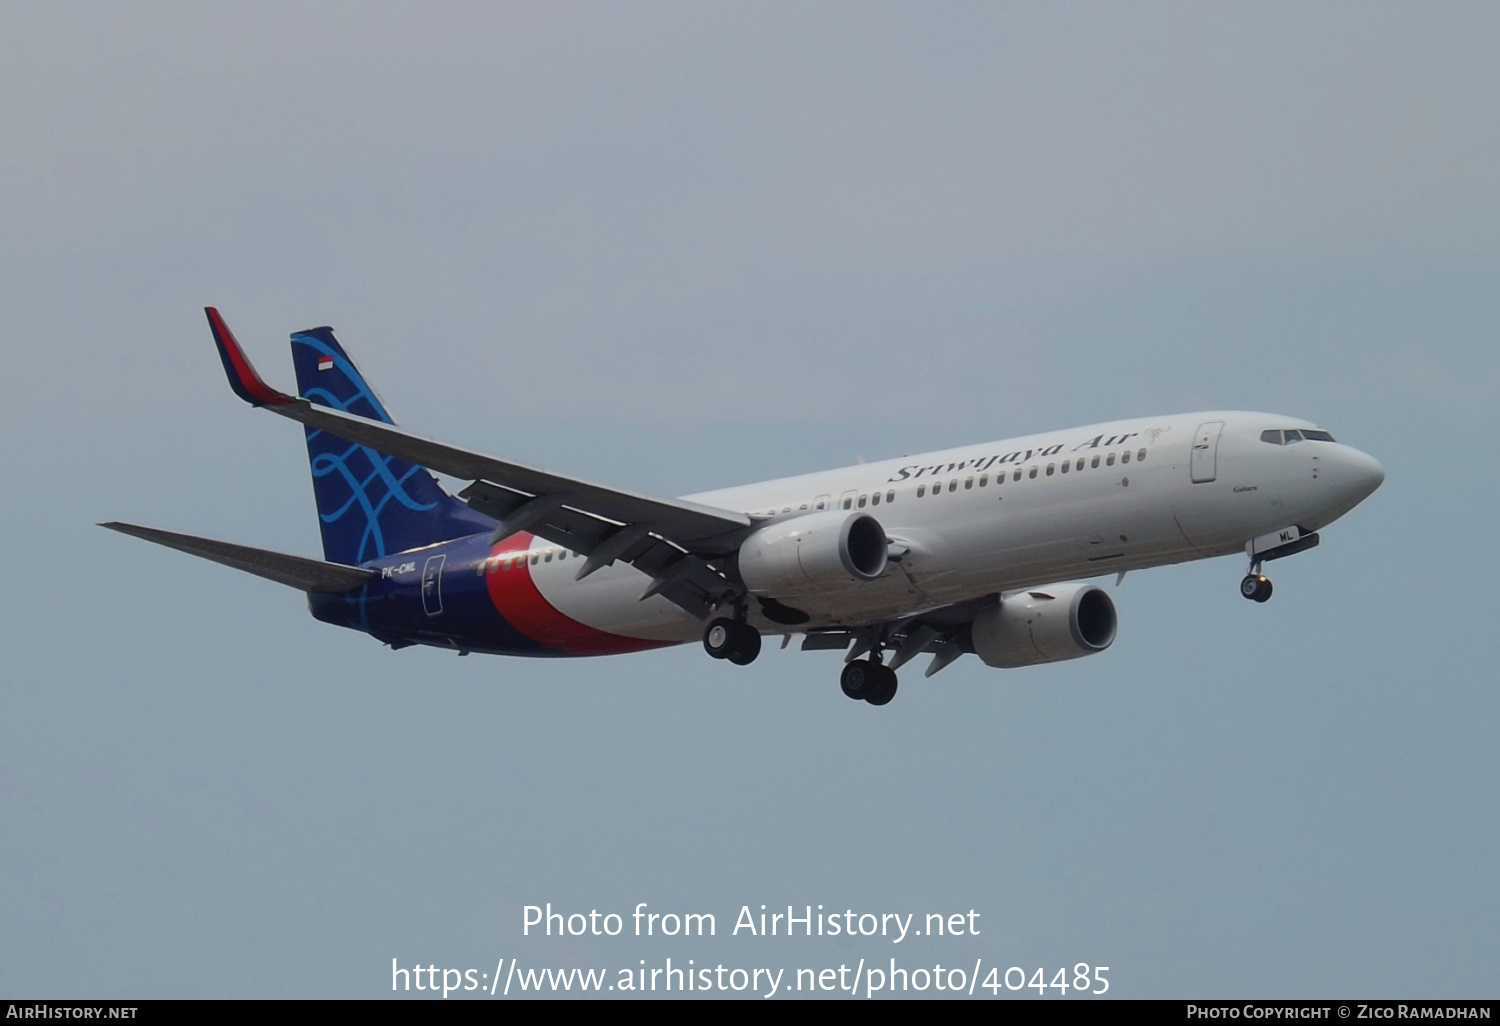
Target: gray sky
(676, 247)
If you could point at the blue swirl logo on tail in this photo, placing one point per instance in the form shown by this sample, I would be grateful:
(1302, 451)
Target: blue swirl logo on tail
(369, 504)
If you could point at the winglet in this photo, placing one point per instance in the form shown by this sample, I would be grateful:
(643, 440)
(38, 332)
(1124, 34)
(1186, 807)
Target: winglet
(247, 384)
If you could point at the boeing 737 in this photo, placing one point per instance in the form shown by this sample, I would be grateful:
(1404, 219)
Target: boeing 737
(982, 550)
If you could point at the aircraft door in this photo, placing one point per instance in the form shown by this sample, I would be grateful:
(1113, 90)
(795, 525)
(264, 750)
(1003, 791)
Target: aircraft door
(1204, 463)
(432, 585)
(822, 502)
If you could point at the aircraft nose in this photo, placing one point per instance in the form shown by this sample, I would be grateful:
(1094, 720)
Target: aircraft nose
(1360, 473)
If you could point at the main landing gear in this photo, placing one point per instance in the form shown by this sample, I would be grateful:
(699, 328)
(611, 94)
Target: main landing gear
(869, 680)
(734, 640)
(866, 680)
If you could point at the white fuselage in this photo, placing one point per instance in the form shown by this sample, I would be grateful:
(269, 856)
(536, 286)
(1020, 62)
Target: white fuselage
(985, 519)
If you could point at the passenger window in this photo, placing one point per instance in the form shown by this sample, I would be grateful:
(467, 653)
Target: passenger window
(1030, 475)
(862, 500)
(803, 506)
(1066, 466)
(890, 496)
(822, 503)
(1140, 455)
(1292, 436)
(875, 499)
(921, 490)
(548, 557)
(1109, 460)
(1317, 436)
(1080, 464)
(1017, 475)
(1274, 437)
(953, 485)
(1125, 457)
(969, 483)
(1050, 468)
(1094, 462)
(848, 502)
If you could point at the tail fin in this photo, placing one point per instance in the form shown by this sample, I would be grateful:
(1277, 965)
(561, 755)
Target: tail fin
(370, 504)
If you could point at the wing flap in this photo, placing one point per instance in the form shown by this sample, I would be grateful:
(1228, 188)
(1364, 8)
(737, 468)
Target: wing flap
(298, 572)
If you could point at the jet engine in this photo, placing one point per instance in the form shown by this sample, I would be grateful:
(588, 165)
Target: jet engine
(1045, 625)
(818, 552)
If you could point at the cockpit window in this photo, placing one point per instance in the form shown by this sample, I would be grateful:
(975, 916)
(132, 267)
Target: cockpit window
(1288, 437)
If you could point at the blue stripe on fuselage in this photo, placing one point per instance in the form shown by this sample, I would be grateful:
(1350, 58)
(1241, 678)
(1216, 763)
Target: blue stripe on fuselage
(391, 607)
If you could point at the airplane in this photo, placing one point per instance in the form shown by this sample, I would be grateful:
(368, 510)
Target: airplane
(982, 550)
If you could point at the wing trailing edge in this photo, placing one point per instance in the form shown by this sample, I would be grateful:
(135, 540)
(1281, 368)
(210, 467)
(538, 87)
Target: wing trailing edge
(310, 575)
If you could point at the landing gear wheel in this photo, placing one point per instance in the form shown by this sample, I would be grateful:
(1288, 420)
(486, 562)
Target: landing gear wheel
(746, 645)
(885, 688)
(1256, 588)
(719, 637)
(860, 679)
(728, 639)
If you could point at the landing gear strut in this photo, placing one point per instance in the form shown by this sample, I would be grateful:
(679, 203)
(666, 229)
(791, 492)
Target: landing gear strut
(868, 680)
(734, 640)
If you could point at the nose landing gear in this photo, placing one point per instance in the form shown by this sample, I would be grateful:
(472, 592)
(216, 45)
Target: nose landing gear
(1256, 587)
(1288, 541)
(734, 640)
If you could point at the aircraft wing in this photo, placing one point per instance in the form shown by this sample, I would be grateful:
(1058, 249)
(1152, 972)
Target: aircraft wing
(669, 539)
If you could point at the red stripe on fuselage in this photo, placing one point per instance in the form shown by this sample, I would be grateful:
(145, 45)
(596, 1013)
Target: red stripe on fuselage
(517, 599)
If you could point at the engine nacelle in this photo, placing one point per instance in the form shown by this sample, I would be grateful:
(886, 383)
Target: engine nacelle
(1045, 625)
(815, 553)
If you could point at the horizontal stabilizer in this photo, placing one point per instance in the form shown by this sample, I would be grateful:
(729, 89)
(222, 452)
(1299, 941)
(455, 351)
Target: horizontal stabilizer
(293, 571)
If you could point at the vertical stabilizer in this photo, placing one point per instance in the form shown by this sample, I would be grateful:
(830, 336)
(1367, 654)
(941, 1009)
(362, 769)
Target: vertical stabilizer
(370, 504)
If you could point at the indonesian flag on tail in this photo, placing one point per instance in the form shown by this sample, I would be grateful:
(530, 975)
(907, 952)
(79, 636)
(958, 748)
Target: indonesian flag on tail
(325, 363)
